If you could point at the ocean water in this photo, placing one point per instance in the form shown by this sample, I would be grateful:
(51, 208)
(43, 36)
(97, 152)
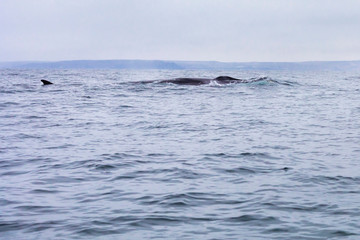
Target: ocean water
(98, 156)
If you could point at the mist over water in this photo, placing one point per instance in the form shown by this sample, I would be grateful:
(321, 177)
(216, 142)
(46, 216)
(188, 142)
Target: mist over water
(97, 156)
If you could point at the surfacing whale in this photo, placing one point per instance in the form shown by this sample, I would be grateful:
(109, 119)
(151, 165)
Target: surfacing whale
(201, 81)
(46, 82)
(221, 80)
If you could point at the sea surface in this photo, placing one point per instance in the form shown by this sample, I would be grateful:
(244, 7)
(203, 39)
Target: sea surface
(98, 155)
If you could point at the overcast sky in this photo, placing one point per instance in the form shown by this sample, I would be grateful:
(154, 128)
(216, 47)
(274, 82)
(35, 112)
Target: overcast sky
(221, 30)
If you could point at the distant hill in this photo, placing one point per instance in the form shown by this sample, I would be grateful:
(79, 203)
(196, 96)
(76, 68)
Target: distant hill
(196, 65)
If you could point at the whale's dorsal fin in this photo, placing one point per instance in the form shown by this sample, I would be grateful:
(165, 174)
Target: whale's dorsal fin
(46, 82)
(225, 78)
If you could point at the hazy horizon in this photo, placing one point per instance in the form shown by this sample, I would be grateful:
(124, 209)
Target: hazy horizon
(175, 60)
(199, 30)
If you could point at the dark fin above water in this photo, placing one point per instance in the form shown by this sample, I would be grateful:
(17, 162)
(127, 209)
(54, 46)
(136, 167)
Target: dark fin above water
(46, 82)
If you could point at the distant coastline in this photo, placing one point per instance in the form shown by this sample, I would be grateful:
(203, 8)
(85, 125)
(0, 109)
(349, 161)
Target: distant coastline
(183, 65)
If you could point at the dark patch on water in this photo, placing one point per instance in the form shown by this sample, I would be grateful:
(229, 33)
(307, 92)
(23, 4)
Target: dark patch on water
(11, 226)
(254, 219)
(44, 191)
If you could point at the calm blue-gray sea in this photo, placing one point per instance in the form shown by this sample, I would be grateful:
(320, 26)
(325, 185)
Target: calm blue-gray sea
(97, 156)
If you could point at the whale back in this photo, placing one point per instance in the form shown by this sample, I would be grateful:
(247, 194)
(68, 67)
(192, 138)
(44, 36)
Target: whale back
(225, 78)
(188, 81)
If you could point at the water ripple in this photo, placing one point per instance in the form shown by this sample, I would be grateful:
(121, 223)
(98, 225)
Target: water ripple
(98, 156)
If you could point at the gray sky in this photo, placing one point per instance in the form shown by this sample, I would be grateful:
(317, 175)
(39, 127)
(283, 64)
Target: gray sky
(221, 30)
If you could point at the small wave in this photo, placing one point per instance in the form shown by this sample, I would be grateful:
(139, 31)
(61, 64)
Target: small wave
(163, 174)
(153, 220)
(294, 207)
(6, 104)
(8, 91)
(241, 155)
(122, 177)
(268, 81)
(189, 199)
(96, 165)
(174, 200)
(185, 174)
(37, 208)
(261, 220)
(34, 117)
(44, 191)
(104, 167)
(93, 231)
(240, 170)
(341, 233)
(157, 220)
(24, 136)
(118, 156)
(63, 146)
(14, 173)
(64, 179)
(12, 226)
(215, 83)
(125, 106)
(252, 219)
(245, 171)
(278, 230)
(41, 226)
(4, 202)
(330, 180)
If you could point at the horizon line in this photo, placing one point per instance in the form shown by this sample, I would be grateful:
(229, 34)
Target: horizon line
(124, 59)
